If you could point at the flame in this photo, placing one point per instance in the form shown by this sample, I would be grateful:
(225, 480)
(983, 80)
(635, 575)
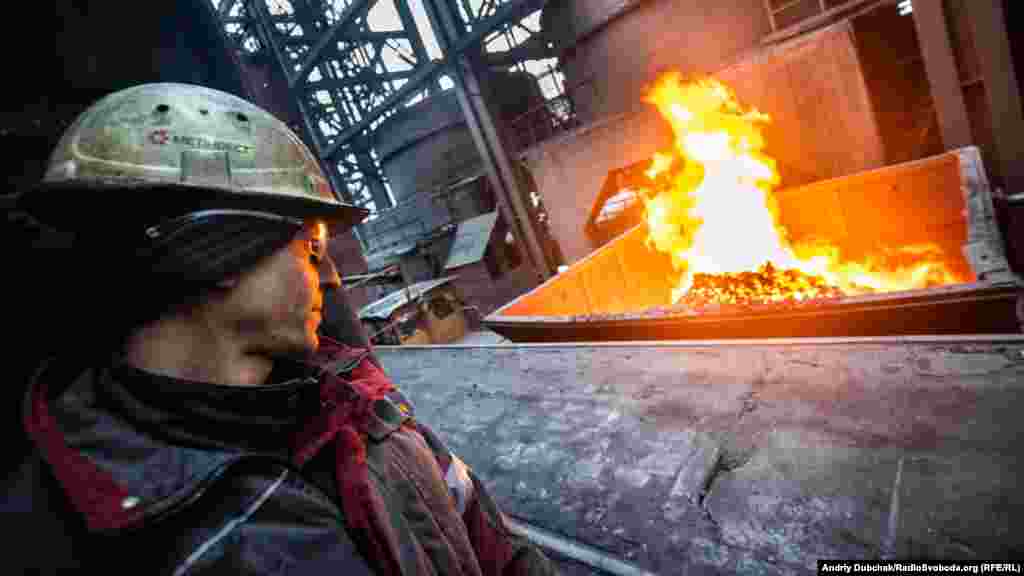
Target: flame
(715, 213)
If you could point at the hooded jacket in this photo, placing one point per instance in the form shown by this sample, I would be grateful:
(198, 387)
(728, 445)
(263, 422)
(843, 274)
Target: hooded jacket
(325, 471)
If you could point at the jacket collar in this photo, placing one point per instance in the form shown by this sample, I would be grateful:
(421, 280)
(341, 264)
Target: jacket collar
(113, 473)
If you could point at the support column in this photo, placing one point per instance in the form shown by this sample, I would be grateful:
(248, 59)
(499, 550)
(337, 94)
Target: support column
(259, 10)
(991, 39)
(486, 135)
(943, 78)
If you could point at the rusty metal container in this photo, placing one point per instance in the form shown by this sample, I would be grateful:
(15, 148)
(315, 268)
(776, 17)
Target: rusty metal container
(622, 291)
(430, 312)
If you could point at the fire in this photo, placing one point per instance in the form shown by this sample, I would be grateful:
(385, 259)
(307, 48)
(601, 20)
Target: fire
(715, 213)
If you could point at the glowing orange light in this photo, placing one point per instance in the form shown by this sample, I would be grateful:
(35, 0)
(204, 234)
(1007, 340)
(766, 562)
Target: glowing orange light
(717, 218)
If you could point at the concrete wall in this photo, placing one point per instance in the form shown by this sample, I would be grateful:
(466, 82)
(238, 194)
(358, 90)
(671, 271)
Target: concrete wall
(426, 146)
(348, 255)
(82, 51)
(570, 170)
(477, 288)
(813, 87)
(697, 36)
(422, 149)
(741, 458)
(823, 126)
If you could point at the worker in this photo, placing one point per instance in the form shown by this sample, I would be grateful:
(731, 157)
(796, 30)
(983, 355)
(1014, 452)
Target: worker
(218, 432)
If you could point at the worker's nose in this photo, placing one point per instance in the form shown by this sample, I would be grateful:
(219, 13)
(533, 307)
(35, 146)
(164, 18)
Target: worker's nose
(329, 277)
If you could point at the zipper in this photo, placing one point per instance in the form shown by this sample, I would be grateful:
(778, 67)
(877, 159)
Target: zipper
(230, 525)
(348, 366)
(342, 370)
(174, 505)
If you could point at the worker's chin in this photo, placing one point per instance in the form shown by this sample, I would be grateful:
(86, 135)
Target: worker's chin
(301, 347)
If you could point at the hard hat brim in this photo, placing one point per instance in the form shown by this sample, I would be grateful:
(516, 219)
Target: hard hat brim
(65, 205)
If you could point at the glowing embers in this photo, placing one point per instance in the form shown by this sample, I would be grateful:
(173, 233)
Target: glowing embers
(709, 204)
(766, 284)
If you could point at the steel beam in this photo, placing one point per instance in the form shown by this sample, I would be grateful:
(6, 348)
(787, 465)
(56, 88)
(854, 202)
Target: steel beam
(278, 19)
(362, 78)
(990, 32)
(514, 10)
(361, 36)
(314, 56)
(414, 84)
(943, 78)
(262, 16)
(409, 24)
(225, 9)
(486, 134)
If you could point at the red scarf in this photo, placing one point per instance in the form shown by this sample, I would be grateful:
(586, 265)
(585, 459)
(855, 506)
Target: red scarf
(346, 407)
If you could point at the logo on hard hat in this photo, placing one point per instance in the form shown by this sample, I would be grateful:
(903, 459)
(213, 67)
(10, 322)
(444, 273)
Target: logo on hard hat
(162, 137)
(159, 137)
(204, 143)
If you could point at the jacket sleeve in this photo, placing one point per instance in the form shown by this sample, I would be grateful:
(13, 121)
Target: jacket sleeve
(42, 533)
(500, 551)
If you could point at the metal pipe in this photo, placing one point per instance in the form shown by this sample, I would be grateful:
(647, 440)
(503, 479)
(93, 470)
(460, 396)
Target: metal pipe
(486, 134)
(894, 513)
(575, 550)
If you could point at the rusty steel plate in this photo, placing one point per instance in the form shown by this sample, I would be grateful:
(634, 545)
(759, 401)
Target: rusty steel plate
(976, 308)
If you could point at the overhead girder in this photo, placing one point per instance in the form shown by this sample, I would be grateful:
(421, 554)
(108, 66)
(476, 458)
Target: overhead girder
(511, 11)
(354, 9)
(329, 47)
(486, 133)
(361, 78)
(359, 180)
(482, 21)
(364, 36)
(381, 85)
(224, 10)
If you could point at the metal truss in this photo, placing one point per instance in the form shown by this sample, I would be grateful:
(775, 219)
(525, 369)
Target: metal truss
(351, 64)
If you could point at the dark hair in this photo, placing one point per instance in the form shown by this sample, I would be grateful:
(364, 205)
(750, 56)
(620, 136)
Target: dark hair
(141, 279)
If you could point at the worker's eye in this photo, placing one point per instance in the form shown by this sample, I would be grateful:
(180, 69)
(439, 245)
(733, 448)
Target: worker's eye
(317, 250)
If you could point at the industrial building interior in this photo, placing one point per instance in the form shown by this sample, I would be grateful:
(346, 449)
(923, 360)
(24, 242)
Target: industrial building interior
(547, 274)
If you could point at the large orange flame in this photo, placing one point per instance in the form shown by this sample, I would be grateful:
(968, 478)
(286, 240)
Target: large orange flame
(716, 214)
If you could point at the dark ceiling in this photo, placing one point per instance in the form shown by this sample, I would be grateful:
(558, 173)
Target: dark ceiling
(66, 56)
(79, 51)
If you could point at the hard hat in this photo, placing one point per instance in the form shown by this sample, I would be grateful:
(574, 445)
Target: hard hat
(172, 144)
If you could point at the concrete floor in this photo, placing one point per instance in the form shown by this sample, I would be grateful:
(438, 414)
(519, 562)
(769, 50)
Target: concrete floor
(754, 457)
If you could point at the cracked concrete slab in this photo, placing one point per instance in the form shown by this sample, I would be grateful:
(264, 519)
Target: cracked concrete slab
(700, 454)
(740, 458)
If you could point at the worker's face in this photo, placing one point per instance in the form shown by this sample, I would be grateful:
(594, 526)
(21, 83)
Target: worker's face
(276, 307)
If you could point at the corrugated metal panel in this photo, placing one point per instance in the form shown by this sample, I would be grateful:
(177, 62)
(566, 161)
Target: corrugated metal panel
(471, 240)
(382, 309)
(380, 260)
